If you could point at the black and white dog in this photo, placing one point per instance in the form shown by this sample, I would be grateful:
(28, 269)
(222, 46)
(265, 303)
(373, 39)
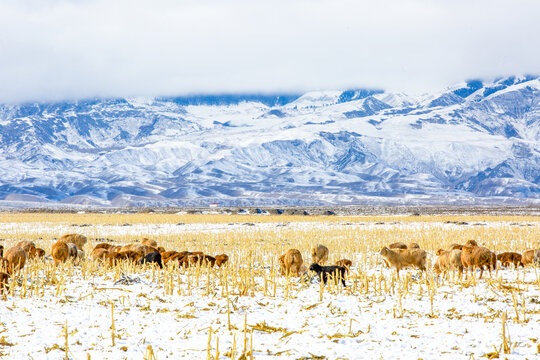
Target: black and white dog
(338, 272)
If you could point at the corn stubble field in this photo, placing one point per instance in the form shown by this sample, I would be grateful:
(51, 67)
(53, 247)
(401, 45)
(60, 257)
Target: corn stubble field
(247, 310)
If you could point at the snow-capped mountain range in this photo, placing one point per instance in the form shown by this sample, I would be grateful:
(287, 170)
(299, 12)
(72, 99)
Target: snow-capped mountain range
(475, 140)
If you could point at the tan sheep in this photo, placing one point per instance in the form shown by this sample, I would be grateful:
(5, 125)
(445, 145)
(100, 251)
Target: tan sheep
(290, 262)
(405, 258)
(59, 252)
(221, 259)
(448, 260)
(319, 254)
(413, 246)
(455, 247)
(77, 239)
(473, 256)
(16, 258)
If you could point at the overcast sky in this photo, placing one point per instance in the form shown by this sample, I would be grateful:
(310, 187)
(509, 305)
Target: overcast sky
(61, 49)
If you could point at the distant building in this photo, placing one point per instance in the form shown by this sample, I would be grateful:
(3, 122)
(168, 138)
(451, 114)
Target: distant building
(212, 205)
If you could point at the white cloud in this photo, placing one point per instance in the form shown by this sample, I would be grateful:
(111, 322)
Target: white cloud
(69, 49)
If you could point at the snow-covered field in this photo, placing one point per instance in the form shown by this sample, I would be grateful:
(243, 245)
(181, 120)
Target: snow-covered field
(180, 315)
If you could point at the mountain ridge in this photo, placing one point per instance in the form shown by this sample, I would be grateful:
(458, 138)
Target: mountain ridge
(475, 140)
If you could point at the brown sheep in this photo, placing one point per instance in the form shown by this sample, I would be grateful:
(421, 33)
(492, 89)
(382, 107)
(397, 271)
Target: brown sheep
(290, 262)
(477, 256)
(40, 253)
(397, 245)
(59, 252)
(161, 249)
(106, 246)
(167, 254)
(527, 257)
(1, 251)
(319, 254)
(346, 263)
(16, 258)
(148, 242)
(405, 258)
(77, 239)
(202, 260)
(100, 254)
(130, 255)
(29, 248)
(413, 246)
(455, 247)
(448, 260)
(4, 278)
(221, 259)
(508, 258)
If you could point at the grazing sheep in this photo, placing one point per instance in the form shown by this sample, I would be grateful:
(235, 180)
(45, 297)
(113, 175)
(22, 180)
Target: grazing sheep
(152, 258)
(455, 247)
(290, 262)
(77, 239)
(106, 246)
(413, 246)
(4, 278)
(202, 260)
(40, 253)
(476, 256)
(527, 257)
(448, 260)
(29, 248)
(397, 245)
(100, 254)
(148, 242)
(59, 252)
(346, 263)
(221, 259)
(338, 272)
(319, 254)
(508, 258)
(404, 258)
(16, 258)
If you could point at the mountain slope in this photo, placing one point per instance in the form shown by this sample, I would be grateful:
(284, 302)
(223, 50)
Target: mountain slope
(475, 139)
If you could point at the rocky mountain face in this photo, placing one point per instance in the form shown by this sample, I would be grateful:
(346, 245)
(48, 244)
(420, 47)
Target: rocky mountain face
(474, 141)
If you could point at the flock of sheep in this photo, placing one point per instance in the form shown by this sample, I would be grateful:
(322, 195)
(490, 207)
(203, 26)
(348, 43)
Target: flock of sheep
(398, 255)
(456, 257)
